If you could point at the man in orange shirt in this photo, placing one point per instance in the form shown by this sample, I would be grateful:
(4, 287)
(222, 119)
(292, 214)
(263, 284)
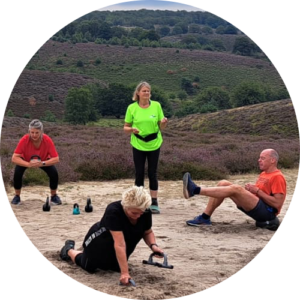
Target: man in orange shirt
(261, 201)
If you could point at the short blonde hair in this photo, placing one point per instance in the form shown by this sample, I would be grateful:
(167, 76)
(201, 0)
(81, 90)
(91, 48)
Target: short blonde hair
(136, 197)
(135, 96)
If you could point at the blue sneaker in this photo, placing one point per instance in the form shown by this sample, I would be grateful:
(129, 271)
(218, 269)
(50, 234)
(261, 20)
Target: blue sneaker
(198, 221)
(188, 186)
(55, 200)
(16, 200)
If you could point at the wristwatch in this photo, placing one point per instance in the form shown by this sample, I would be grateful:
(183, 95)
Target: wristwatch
(44, 164)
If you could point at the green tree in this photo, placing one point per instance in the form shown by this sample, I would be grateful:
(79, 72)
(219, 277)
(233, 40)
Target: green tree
(247, 93)
(161, 97)
(194, 28)
(113, 101)
(187, 86)
(164, 30)
(182, 95)
(186, 108)
(244, 46)
(79, 106)
(49, 116)
(10, 113)
(230, 29)
(152, 35)
(214, 96)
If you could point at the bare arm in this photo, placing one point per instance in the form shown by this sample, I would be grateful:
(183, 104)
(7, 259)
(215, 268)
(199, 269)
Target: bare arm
(18, 160)
(149, 239)
(163, 123)
(275, 200)
(129, 129)
(120, 248)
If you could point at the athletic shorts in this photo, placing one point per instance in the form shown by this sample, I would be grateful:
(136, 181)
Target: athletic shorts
(262, 212)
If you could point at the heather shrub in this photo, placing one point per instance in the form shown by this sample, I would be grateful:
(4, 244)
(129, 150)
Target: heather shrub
(104, 153)
(105, 166)
(174, 171)
(35, 177)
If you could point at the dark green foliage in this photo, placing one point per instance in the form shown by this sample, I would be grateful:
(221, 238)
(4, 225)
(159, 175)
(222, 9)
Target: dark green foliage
(213, 98)
(79, 106)
(10, 113)
(113, 101)
(79, 64)
(51, 97)
(248, 93)
(244, 46)
(59, 62)
(48, 116)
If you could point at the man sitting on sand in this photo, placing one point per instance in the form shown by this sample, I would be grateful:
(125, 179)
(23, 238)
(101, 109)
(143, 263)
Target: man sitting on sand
(261, 201)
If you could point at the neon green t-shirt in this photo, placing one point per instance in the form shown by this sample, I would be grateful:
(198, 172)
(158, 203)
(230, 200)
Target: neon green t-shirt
(146, 121)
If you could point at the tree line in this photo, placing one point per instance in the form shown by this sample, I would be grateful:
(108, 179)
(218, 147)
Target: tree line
(146, 28)
(91, 102)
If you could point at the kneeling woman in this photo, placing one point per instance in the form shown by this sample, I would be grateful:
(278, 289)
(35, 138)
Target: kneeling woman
(109, 243)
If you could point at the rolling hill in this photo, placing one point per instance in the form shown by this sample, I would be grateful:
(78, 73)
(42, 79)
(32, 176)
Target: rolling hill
(275, 118)
(54, 69)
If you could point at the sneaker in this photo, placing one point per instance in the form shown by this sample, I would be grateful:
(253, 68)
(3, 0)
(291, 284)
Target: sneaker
(198, 221)
(55, 200)
(271, 225)
(69, 244)
(155, 209)
(188, 186)
(16, 200)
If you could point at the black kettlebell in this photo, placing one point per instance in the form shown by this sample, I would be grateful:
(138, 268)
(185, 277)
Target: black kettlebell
(88, 207)
(46, 206)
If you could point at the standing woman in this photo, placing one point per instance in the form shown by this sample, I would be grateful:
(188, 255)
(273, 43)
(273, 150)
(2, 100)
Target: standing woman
(35, 150)
(144, 120)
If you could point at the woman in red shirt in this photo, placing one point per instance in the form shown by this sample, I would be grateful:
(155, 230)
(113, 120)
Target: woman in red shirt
(35, 150)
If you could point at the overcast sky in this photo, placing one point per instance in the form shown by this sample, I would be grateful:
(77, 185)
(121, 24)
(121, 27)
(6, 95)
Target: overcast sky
(150, 4)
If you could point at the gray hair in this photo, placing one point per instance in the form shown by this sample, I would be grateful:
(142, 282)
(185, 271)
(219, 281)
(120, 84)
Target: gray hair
(36, 124)
(135, 96)
(136, 197)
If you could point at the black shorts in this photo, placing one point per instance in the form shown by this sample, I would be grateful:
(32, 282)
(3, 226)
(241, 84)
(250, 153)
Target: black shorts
(261, 212)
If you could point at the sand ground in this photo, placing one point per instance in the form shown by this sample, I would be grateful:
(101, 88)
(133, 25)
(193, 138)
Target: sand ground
(202, 257)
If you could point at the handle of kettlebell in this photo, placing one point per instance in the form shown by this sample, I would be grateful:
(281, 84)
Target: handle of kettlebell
(35, 157)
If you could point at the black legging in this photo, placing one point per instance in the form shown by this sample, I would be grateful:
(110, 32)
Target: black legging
(50, 170)
(139, 158)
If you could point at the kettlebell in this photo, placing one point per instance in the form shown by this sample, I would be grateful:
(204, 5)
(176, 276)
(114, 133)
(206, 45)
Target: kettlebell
(46, 206)
(76, 210)
(88, 207)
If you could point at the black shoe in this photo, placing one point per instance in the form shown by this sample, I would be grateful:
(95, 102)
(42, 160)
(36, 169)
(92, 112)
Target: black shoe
(55, 200)
(16, 200)
(69, 244)
(271, 225)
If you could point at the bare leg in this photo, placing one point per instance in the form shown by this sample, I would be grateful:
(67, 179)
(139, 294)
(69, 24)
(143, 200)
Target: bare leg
(73, 253)
(214, 203)
(239, 195)
(153, 194)
(18, 192)
(53, 192)
(154, 203)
